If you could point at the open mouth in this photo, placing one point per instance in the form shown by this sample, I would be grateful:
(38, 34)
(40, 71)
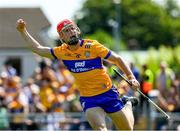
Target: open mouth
(72, 37)
(73, 40)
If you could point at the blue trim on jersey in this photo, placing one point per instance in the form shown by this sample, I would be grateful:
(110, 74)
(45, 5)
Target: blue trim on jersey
(78, 66)
(52, 52)
(81, 42)
(107, 56)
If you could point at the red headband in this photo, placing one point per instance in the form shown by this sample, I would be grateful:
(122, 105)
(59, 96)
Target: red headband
(63, 23)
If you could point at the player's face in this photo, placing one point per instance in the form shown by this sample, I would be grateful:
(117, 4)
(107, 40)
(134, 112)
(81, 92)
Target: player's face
(70, 34)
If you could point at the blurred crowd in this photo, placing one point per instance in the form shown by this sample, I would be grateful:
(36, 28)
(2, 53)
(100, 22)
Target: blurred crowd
(51, 88)
(162, 86)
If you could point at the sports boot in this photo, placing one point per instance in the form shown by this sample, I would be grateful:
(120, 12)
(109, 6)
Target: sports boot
(132, 99)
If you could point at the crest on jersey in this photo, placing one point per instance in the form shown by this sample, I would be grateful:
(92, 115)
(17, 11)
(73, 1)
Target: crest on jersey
(88, 45)
(87, 54)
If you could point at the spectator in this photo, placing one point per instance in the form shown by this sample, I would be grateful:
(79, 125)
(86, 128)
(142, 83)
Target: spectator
(4, 123)
(30, 89)
(164, 78)
(18, 110)
(135, 70)
(45, 94)
(147, 81)
(9, 70)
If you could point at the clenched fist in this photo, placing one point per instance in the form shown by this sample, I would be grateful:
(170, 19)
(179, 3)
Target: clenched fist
(21, 25)
(134, 84)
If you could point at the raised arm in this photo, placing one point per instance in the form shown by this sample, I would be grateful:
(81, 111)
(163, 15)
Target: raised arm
(32, 43)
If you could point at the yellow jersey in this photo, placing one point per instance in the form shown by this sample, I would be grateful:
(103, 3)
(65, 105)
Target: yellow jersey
(86, 66)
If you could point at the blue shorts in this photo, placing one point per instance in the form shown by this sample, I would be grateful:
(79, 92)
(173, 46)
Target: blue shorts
(109, 101)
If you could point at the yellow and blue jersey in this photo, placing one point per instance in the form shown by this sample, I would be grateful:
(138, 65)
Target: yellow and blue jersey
(86, 66)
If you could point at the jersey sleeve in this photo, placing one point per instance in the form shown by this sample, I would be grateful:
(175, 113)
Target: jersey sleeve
(101, 50)
(56, 52)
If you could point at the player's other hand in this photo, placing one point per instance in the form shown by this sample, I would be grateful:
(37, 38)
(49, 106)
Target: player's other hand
(21, 25)
(135, 84)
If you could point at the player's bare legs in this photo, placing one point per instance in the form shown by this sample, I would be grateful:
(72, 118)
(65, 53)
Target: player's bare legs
(96, 118)
(124, 118)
